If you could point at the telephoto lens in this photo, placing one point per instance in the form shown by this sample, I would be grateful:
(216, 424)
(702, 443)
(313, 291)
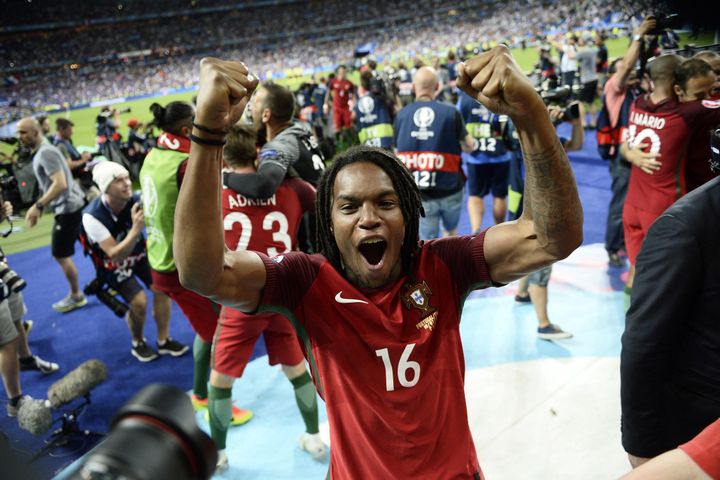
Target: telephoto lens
(14, 281)
(153, 436)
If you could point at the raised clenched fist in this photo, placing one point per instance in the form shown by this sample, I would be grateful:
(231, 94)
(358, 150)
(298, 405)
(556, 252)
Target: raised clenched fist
(225, 88)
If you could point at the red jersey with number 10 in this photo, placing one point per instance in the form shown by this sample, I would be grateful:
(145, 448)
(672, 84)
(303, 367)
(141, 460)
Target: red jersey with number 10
(666, 128)
(388, 362)
(266, 225)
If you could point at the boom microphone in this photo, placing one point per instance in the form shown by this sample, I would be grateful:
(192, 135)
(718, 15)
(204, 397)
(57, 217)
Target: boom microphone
(77, 383)
(34, 416)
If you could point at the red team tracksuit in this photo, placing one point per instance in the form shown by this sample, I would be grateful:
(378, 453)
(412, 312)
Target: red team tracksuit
(388, 362)
(269, 226)
(667, 128)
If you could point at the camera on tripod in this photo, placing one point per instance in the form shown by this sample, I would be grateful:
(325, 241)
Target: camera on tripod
(102, 292)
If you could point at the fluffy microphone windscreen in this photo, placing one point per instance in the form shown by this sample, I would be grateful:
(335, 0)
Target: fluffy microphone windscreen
(77, 383)
(34, 416)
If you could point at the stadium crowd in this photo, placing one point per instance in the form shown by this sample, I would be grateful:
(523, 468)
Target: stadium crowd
(70, 66)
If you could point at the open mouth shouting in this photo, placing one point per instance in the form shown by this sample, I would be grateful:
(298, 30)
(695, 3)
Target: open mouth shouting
(373, 252)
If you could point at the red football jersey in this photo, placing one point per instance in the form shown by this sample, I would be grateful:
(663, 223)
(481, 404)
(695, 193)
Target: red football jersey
(698, 163)
(341, 92)
(667, 127)
(266, 225)
(388, 362)
(704, 449)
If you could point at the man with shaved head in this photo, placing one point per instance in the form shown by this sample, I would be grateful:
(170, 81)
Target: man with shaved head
(643, 204)
(661, 126)
(61, 194)
(429, 138)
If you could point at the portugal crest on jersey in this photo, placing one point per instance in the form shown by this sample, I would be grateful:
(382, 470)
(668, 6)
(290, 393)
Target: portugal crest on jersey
(418, 296)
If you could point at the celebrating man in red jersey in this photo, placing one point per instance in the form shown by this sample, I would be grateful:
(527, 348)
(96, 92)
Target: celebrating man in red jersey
(266, 225)
(342, 95)
(658, 134)
(377, 311)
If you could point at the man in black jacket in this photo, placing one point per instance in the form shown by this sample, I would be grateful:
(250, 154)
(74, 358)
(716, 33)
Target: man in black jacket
(670, 360)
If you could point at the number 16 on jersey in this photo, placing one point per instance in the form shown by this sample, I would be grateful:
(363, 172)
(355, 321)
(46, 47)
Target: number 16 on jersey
(403, 366)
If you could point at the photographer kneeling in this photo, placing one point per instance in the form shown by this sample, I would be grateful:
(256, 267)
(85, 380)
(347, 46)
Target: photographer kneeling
(113, 224)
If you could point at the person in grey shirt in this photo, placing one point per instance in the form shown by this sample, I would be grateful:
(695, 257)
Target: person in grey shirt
(61, 194)
(587, 60)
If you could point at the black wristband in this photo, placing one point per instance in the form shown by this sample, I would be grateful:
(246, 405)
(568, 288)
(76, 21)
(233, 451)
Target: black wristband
(205, 141)
(214, 131)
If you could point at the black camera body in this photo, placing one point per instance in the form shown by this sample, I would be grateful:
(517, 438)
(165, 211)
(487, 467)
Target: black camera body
(663, 21)
(101, 291)
(102, 118)
(562, 97)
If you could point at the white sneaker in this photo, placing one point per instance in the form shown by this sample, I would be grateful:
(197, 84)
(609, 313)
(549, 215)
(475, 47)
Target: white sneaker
(313, 444)
(222, 463)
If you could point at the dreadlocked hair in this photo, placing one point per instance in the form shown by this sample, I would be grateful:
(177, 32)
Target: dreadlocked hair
(404, 184)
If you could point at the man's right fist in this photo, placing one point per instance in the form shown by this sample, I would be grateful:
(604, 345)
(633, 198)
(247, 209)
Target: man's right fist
(225, 88)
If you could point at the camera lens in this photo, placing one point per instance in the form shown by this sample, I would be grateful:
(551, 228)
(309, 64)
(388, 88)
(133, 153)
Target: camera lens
(153, 436)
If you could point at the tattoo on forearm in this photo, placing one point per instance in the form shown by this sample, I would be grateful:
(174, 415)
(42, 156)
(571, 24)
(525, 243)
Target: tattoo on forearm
(551, 198)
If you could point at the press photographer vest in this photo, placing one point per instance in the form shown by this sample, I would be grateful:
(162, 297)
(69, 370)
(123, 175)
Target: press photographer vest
(118, 227)
(487, 128)
(374, 124)
(427, 141)
(72, 151)
(159, 182)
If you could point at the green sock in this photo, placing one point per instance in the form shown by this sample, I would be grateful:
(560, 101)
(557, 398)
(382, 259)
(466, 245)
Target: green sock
(220, 410)
(628, 292)
(306, 401)
(201, 371)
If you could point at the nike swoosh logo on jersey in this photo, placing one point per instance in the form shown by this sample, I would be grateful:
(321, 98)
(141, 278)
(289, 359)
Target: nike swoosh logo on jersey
(339, 298)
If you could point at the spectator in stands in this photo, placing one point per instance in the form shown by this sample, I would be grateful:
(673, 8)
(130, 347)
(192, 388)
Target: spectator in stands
(429, 137)
(113, 225)
(76, 161)
(65, 198)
